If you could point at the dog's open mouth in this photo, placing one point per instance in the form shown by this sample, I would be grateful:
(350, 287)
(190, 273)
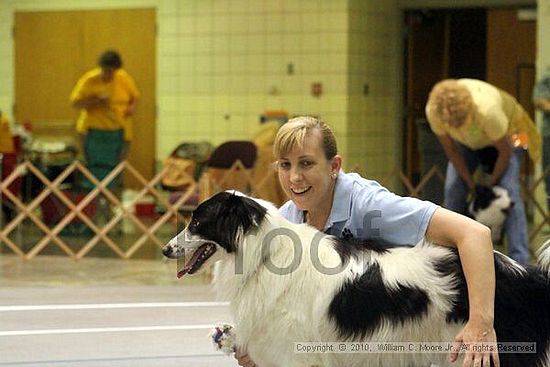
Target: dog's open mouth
(198, 258)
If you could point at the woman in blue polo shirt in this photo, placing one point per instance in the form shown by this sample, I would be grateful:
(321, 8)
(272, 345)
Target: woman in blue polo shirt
(345, 204)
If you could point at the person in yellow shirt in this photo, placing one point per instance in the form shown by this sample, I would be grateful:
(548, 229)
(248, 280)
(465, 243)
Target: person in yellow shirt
(7, 162)
(6, 138)
(479, 124)
(107, 97)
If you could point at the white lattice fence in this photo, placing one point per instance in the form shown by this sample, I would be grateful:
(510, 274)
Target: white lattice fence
(76, 210)
(236, 176)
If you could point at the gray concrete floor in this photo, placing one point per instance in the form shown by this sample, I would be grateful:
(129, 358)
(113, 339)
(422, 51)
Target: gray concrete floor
(105, 312)
(101, 311)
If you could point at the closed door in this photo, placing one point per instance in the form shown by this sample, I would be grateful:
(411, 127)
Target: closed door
(511, 54)
(54, 48)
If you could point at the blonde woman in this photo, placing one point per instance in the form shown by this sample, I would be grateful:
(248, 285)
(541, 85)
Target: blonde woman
(345, 204)
(479, 124)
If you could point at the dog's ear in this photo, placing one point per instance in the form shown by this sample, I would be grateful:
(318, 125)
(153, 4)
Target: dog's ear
(237, 216)
(226, 217)
(250, 212)
(483, 197)
(483, 191)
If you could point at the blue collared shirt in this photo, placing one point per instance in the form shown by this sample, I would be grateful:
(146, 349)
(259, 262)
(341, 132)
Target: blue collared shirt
(366, 210)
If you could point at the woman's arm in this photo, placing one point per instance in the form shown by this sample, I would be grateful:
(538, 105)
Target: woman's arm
(504, 148)
(473, 242)
(93, 101)
(132, 105)
(452, 153)
(542, 104)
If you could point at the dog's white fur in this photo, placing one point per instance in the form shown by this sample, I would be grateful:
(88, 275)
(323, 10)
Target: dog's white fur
(274, 311)
(494, 216)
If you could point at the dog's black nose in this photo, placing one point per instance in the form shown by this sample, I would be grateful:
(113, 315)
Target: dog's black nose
(167, 251)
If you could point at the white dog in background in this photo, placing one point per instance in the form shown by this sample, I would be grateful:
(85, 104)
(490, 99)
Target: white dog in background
(288, 283)
(490, 206)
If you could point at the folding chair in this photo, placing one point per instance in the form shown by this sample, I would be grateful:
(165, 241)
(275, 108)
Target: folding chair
(221, 170)
(185, 165)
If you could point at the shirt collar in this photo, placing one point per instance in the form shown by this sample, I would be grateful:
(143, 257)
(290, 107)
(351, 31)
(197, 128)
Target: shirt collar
(341, 201)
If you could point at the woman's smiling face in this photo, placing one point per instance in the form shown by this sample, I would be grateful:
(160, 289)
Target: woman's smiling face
(307, 176)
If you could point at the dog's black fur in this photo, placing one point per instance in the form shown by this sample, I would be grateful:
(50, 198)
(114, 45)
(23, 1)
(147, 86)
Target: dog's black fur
(484, 195)
(363, 304)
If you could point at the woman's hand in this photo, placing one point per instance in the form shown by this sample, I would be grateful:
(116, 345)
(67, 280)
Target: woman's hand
(244, 359)
(93, 102)
(477, 341)
(543, 104)
(130, 110)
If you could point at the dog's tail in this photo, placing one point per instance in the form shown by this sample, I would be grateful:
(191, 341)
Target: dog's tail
(543, 256)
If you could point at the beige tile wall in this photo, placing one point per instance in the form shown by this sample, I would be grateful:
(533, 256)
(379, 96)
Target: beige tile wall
(6, 55)
(226, 63)
(222, 63)
(373, 133)
(543, 30)
(229, 65)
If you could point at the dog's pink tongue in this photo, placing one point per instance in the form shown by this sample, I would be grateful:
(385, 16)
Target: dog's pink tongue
(186, 268)
(183, 271)
(189, 264)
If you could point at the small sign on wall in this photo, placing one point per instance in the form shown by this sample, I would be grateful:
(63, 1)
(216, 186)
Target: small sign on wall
(316, 89)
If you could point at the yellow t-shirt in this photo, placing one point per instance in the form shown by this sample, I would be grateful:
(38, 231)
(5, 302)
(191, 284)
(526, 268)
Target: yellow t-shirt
(6, 138)
(495, 115)
(121, 90)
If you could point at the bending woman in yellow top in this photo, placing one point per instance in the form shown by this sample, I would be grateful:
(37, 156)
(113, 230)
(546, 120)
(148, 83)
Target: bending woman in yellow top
(474, 120)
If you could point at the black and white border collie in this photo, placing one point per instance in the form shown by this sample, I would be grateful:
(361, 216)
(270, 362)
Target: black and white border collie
(288, 283)
(490, 206)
